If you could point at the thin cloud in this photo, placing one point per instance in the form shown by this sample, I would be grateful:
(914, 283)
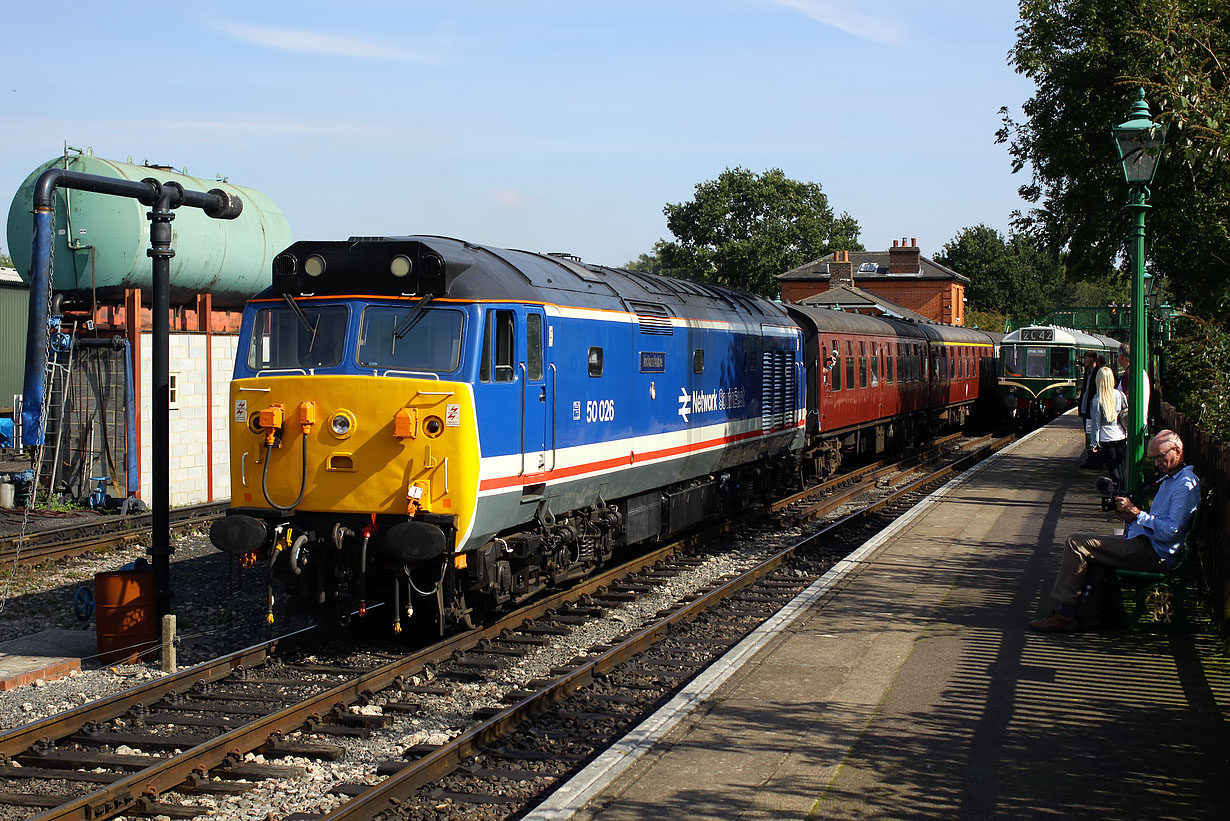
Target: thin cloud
(313, 42)
(509, 198)
(839, 15)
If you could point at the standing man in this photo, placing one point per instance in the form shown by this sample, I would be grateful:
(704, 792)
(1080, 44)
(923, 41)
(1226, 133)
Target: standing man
(1089, 393)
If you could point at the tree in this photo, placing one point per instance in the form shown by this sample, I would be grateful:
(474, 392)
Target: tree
(1087, 58)
(743, 229)
(1012, 277)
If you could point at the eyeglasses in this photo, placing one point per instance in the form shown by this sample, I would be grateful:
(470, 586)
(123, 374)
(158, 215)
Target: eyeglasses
(1162, 455)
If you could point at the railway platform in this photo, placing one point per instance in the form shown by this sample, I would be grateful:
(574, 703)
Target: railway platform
(907, 684)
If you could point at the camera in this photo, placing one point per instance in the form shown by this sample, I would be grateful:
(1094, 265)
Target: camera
(1109, 490)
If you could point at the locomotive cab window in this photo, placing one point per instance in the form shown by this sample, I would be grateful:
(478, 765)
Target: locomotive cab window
(497, 356)
(533, 342)
(404, 338)
(595, 361)
(1060, 363)
(311, 337)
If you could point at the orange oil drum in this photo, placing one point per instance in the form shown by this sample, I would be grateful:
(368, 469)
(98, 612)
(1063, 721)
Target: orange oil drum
(126, 620)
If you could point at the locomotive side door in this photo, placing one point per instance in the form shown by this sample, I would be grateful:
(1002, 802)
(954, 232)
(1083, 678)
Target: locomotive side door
(535, 394)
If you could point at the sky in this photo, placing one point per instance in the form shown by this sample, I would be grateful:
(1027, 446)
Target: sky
(542, 125)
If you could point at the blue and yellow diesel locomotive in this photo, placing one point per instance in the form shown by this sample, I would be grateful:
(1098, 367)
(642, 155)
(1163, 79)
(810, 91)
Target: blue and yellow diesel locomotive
(1041, 368)
(454, 427)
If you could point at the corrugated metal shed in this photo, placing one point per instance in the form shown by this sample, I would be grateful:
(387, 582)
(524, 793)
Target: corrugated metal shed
(14, 311)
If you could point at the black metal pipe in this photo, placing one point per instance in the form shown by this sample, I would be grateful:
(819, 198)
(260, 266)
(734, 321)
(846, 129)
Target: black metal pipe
(114, 342)
(160, 251)
(163, 198)
(51, 179)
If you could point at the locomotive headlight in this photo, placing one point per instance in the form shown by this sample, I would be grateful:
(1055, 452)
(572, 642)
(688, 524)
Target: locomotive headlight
(342, 424)
(400, 265)
(314, 265)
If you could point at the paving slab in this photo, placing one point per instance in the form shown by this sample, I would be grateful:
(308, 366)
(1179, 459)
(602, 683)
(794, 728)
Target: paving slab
(46, 655)
(917, 690)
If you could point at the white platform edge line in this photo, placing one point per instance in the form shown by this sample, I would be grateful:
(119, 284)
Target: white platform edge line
(572, 796)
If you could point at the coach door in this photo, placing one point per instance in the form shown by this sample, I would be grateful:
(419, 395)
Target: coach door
(536, 397)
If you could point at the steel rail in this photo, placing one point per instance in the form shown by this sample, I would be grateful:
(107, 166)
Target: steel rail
(444, 760)
(130, 792)
(38, 546)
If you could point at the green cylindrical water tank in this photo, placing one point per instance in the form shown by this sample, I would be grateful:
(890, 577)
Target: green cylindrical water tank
(101, 240)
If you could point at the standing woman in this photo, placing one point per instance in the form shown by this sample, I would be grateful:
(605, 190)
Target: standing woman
(1109, 437)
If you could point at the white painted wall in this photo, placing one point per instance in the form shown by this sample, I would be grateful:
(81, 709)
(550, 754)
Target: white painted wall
(189, 454)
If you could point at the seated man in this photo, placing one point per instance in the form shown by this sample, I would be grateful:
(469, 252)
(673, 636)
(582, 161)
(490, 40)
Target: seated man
(1151, 542)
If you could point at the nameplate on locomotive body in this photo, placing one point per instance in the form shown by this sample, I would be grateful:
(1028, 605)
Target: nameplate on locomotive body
(653, 362)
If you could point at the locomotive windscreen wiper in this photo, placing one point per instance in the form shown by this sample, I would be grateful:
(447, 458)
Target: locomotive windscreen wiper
(307, 324)
(415, 315)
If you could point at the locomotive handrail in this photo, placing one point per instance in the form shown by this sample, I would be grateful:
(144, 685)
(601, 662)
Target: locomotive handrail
(525, 378)
(553, 409)
(424, 374)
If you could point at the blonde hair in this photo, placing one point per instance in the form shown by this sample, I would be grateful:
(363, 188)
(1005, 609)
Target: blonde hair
(1106, 395)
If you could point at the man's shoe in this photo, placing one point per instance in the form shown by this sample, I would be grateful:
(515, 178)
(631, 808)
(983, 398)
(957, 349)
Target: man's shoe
(1054, 623)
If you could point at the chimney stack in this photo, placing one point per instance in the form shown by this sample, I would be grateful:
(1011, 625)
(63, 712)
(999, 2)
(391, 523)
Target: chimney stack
(905, 259)
(841, 271)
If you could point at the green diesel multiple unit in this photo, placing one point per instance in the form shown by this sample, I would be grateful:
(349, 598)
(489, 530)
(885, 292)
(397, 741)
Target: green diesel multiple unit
(1040, 367)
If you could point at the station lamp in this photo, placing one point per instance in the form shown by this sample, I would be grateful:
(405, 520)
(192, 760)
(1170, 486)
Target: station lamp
(1139, 142)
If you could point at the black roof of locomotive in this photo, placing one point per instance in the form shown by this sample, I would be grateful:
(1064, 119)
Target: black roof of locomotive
(453, 268)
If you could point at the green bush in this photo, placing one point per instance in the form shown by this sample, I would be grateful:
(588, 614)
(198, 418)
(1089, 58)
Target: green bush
(1197, 376)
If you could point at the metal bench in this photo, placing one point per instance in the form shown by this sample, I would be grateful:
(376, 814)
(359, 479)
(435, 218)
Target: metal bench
(1163, 593)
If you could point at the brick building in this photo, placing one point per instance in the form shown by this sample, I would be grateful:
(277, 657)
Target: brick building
(901, 275)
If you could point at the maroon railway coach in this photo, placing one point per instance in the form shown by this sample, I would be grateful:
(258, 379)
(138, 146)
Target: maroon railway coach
(875, 383)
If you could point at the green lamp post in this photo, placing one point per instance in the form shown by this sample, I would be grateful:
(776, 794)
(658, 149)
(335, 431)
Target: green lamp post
(1139, 141)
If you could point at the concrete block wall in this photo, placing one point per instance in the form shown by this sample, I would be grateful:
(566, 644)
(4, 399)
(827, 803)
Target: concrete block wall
(190, 452)
(224, 350)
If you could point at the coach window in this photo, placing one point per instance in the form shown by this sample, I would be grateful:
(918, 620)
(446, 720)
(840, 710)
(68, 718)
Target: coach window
(849, 365)
(497, 347)
(698, 360)
(862, 364)
(836, 370)
(595, 361)
(888, 363)
(875, 364)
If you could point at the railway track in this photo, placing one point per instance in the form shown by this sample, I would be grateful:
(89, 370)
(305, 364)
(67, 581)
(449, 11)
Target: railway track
(103, 533)
(158, 749)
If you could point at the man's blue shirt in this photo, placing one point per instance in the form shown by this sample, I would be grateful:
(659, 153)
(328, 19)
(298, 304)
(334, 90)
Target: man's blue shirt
(1169, 517)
